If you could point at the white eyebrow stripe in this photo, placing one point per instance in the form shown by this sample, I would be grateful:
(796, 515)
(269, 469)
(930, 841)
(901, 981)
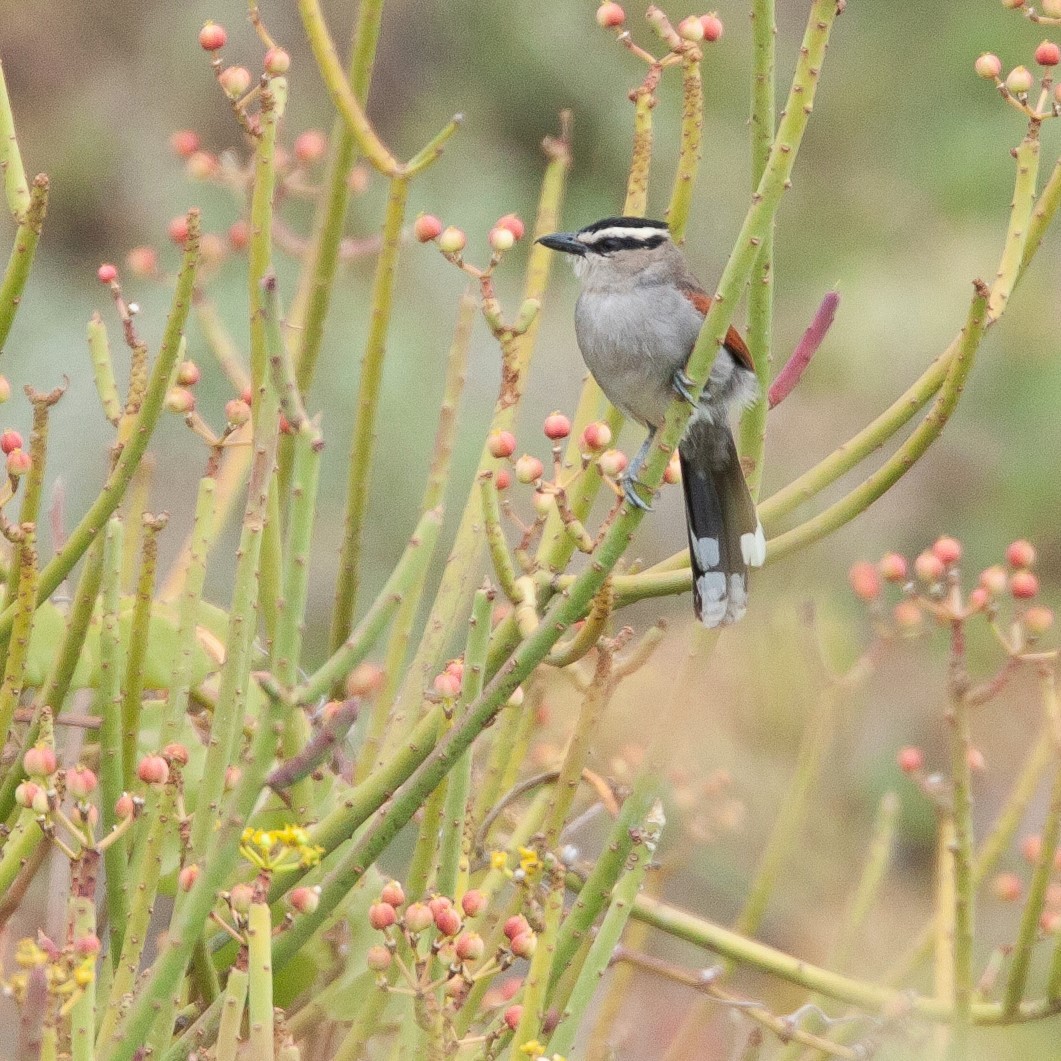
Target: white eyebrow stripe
(642, 235)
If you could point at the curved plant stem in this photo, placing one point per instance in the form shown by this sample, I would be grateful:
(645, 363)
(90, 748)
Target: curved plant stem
(364, 441)
(15, 186)
(689, 151)
(22, 628)
(21, 260)
(1027, 156)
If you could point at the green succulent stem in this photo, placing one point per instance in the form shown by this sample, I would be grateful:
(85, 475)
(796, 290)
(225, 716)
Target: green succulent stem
(25, 606)
(16, 188)
(232, 1006)
(81, 917)
(260, 993)
(23, 250)
(689, 150)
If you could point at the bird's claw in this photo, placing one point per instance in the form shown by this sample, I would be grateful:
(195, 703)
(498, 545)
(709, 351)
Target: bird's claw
(629, 485)
(681, 384)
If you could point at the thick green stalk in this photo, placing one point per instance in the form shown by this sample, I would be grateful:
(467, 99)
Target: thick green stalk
(22, 629)
(20, 843)
(103, 368)
(260, 995)
(752, 441)
(21, 260)
(406, 575)
(232, 1006)
(1027, 156)
(216, 865)
(961, 779)
(15, 186)
(82, 920)
(132, 452)
(877, 484)
(108, 700)
(418, 876)
(608, 935)
(689, 152)
(364, 440)
(136, 652)
(454, 851)
(438, 477)
(139, 919)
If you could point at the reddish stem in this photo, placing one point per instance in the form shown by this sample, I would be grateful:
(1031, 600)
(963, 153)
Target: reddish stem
(797, 364)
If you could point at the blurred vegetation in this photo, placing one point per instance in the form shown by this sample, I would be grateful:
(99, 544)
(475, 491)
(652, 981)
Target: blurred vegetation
(900, 197)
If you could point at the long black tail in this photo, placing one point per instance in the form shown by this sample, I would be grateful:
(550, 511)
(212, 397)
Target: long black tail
(725, 536)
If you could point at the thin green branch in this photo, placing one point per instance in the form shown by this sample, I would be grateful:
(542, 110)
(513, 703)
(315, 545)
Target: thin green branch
(15, 186)
(21, 260)
(689, 149)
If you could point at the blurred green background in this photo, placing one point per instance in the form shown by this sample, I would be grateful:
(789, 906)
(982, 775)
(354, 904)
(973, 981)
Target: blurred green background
(900, 198)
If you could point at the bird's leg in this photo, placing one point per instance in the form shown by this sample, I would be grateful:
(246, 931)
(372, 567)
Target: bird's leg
(681, 384)
(630, 480)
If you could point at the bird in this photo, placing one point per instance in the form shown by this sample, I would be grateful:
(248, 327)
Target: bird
(637, 318)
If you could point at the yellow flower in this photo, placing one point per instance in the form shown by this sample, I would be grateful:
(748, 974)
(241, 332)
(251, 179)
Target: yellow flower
(498, 859)
(529, 861)
(532, 1048)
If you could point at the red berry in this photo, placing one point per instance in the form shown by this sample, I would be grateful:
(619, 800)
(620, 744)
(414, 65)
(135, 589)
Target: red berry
(427, 227)
(673, 472)
(502, 479)
(418, 916)
(513, 1015)
(81, 782)
(240, 898)
(305, 900)
(610, 15)
(381, 916)
(511, 223)
(178, 230)
(473, 903)
(277, 62)
(87, 946)
(392, 894)
(237, 412)
(1020, 553)
(994, 579)
(447, 921)
(142, 261)
(180, 400)
(947, 550)
(378, 958)
(613, 463)
(557, 426)
(212, 36)
(501, 444)
(1006, 887)
(125, 807)
(529, 469)
(979, 599)
(107, 273)
(5, 389)
(500, 239)
(1038, 620)
(524, 945)
(975, 758)
(153, 770)
(907, 616)
(1031, 847)
(865, 580)
(691, 29)
(365, 679)
(10, 440)
(910, 759)
(893, 567)
(235, 80)
(516, 924)
(988, 66)
(1023, 585)
(929, 567)
(238, 235)
(1048, 54)
(596, 436)
(447, 685)
(188, 374)
(185, 142)
(469, 946)
(176, 753)
(1020, 80)
(452, 240)
(26, 793)
(187, 877)
(19, 463)
(310, 146)
(713, 28)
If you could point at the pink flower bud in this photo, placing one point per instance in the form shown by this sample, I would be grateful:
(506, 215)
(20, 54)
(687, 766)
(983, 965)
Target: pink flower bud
(5, 389)
(1023, 585)
(187, 877)
(19, 463)
(10, 440)
(238, 236)
(240, 898)
(176, 753)
(979, 599)
(212, 36)
(975, 759)
(529, 469)
(907, 616)
(610, 15)
(1048, 54)
(1020, 80)
(237, 412)
(516, 925)
(501, 444)
(381, 916)
(418, 916)
(691, 29)
(235, 80)
(232, 776)
(469, 946)
(473, 903)
(557, 426)
(180, 400)
(107, 273)
(87, 946)
(1020, 553)
(188, 374)
(378, 958)
(713, 28)
(365, 679)
(929, 567)
(447, 921)
(305, 900)
(81, 782)
(502, 479)
(426, 228)
(988, 66)
(596, 436)
(310, 146)
(40, 761)
(865, 580)
(125, 807)
(153, 770)
(910, 759)
(392, 894)
(202, 165)
(994, 579)
(1031, 848)
(277, 62)
(613, 463)
(1006, 887)
(947, 550)
(142, 261)
(447, 685)
(1038, 620)
(524, 945)
(513, 1015)
(26, 793)
(452, 240)
(500, 239)
(184, 142)
(893, 567)
(542, 502)
(178, 230)
(672, 474)
(513, 224)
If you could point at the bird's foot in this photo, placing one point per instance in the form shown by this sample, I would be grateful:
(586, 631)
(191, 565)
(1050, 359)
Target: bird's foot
(681, 384)
(629, 485)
